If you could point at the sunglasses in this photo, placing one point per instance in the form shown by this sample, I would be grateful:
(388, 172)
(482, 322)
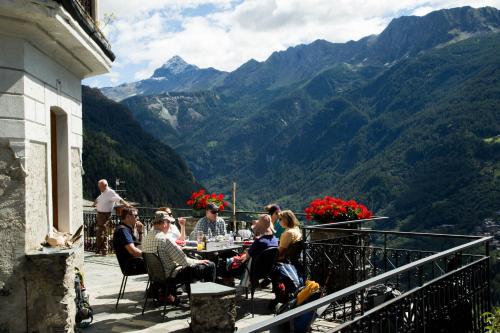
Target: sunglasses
(169, 213)
(214, 211)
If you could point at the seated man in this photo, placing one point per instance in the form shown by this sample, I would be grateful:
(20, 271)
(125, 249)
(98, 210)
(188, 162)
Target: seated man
(173, 232)
(266, 239)
(175, 263)
(211, 225)
(125, 243)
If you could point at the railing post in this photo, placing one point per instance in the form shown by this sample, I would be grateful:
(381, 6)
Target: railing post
(385, 252)
(304, 256)
(487, 253)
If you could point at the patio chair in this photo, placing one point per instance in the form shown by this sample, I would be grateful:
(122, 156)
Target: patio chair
(158, 277)
(133, 267)
(292, 256)
(260, 267)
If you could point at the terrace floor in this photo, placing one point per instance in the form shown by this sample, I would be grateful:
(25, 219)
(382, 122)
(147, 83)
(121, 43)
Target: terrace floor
(102, 278)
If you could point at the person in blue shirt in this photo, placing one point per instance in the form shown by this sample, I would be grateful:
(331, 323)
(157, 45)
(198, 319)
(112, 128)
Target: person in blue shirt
(125, 243)
(274, 211)
(266, 239)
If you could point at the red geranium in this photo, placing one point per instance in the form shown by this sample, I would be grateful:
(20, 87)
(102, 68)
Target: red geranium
(330, 209)
(200, 200)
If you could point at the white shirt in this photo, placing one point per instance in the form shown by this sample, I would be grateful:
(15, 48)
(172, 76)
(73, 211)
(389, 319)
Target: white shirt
(173, 232)
(106, 201)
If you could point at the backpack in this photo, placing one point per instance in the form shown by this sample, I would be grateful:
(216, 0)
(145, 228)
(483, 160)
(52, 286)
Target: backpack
(285, 281)
(84, 312)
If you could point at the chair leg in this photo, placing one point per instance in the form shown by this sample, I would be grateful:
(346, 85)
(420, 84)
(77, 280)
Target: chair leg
(252, 292)
(146, 297)
(165, 305)
(122, 290)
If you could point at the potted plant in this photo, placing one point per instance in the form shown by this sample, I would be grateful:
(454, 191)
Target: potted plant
(200, 199)
(330, 209)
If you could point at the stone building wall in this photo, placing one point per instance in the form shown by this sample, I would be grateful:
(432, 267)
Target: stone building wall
(12, 238)
(77, 193)
(37, 220)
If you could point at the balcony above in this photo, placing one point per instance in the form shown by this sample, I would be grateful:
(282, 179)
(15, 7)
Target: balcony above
(65, 30)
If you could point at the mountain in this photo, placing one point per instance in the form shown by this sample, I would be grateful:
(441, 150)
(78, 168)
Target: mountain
(115, 146)
(405, 121)
(405, 36)
(174, 75)
(170, 116)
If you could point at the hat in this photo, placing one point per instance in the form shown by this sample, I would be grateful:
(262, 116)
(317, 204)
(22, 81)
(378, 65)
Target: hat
(212, 206)
(161, 216)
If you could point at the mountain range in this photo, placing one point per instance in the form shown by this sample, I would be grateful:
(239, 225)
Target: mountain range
(406, 121)
(115, 146)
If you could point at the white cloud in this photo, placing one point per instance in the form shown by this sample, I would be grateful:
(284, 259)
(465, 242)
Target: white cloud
(226, 33)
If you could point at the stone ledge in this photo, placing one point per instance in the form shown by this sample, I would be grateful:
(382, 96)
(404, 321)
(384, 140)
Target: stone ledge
(53, 252)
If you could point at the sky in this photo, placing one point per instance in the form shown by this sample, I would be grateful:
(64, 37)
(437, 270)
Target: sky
(224, 34)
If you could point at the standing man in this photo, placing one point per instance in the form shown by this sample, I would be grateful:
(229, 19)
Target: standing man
(212, 224)
(104, 205)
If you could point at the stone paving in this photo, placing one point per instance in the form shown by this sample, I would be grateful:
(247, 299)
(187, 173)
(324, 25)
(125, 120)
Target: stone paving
(102, 280)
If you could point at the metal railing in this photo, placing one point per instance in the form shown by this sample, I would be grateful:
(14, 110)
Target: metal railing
(80, 12)
(443, 287)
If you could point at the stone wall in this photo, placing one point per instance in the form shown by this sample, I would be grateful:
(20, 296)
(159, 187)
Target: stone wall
(50, 292)
(212, 312)
(12, 238)
(37, 220)
(77, 202)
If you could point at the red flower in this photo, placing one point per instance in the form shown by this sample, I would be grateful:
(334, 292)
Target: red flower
(330, 209)
(200, 200)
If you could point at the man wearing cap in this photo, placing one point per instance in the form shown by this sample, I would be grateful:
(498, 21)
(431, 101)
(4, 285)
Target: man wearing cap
(212, 224)
(104, 205)
(173, 232)
(175, 263)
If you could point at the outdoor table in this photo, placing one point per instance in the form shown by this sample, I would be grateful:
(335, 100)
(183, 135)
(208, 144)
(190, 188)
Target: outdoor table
(210, 254)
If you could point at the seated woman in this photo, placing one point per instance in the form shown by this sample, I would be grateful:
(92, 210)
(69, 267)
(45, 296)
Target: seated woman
(266, 239)
(292, 233)
(285, 278)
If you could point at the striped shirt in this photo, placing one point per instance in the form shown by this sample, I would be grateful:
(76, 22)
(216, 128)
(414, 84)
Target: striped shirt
(209, 228)
(171, 256)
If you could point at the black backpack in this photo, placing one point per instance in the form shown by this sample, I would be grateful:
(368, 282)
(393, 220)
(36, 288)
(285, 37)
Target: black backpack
(84, 312)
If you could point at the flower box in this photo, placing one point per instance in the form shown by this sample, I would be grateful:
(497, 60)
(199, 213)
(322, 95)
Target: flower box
(199, 201)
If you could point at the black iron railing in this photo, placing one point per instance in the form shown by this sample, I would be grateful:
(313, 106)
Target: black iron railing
(443, 281)
(81, 11)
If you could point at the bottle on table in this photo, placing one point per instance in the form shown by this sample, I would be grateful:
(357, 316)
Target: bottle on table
(204, 242)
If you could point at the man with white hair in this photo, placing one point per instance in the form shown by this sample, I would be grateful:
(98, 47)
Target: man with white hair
(104, 205)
